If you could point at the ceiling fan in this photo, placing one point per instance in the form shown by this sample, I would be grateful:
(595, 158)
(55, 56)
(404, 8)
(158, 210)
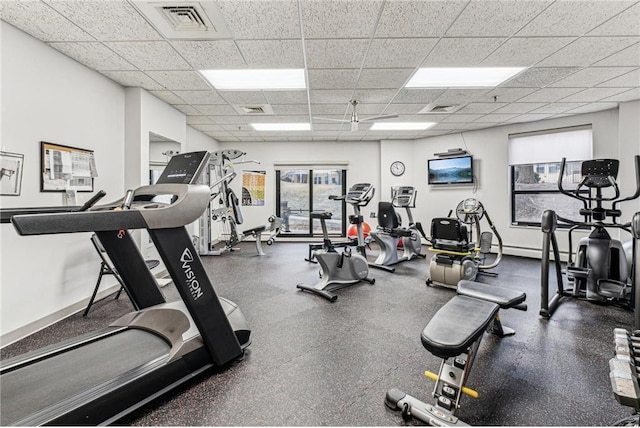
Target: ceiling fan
(355, 120)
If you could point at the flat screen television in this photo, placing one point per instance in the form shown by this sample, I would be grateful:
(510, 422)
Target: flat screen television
(458, 170)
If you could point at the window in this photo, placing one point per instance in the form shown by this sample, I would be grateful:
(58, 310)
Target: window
(300, 191)
(534, 160)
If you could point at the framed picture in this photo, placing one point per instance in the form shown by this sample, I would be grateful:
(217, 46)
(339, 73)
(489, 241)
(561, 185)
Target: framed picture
(66, 168)
(11, 165)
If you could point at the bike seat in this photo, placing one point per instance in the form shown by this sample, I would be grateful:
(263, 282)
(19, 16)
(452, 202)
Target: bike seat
(321, 215)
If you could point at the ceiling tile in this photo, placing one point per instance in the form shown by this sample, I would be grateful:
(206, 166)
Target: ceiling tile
(335, 53)
(587, 50)
(333, 79)
(538, 77)
(331, 96)
(519, 108)
(41, 21)
(290, 109)
(555, 108)
(107, 20)
(626, 57)
(242, 97)
(630, 95)
(525, 51)
(593, 76)
(210, 54)
(593, 107)
(462, 118)
(529, 117)
(573, 18)
(135, 79)
(496, 18)
(397, 108)
(418, 18)
(254, 19)
(286, 97)
(629, 80)
(626, 23)
(495, 118)
(179, 80)
(417, 96)
(207, 127)
(460, 96)
(381, 78)
(374, 96)
(458, 52)
(398, 53)
(199, 120)
(229, 120)
(215, 109)
(272, 53)
(507, 95)
(94, 55)
(170, 98)
(339, 18)
(150, 55)
(187, 109)
(592, 95)
(200, 97)
(548, 95)
(280, 119)
(338, 109)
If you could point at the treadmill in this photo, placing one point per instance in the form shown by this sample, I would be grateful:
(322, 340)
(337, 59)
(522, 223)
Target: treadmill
(99, 377)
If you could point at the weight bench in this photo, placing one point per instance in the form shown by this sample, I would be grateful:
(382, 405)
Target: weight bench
(256, 232)
(454, 334)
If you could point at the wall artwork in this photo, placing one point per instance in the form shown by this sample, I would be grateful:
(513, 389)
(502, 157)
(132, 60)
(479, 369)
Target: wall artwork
(253, 188)
(66, 169)
(11, 165)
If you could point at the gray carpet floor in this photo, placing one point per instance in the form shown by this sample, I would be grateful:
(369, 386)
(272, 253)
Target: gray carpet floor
(317, 363)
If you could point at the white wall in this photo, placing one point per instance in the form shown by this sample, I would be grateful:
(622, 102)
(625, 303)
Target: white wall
(46, 96)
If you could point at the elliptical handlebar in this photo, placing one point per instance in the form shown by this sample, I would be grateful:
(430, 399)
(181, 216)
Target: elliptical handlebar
(637, 192)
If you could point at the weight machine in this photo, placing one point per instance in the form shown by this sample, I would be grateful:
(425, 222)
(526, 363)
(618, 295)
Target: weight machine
(225, 208)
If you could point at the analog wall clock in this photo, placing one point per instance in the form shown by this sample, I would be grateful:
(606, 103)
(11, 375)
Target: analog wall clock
(397, 168)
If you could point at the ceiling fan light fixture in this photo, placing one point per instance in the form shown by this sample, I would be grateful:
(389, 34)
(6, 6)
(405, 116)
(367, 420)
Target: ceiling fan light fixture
(281, 126)
(256, 79)
(461, 77)
(401, 126)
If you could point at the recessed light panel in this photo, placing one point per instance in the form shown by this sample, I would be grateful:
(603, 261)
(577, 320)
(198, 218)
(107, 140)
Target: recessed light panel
(281, 126)
(251, 80)
(401, 126)
(457, 77)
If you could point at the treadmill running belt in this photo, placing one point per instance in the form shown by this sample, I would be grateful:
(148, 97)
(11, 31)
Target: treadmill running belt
(35, 387)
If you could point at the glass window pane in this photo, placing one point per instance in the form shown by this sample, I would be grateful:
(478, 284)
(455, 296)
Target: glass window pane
(326, 183)
(529, 207)
(536, 177)
(294, 200)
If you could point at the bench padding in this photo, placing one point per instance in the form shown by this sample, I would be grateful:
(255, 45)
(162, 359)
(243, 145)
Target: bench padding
(505, 297)
(254, 230)
(456, 325)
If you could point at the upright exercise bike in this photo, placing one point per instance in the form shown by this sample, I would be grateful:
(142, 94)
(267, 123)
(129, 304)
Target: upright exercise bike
(603, 269)
(346, 268)
(390, 231)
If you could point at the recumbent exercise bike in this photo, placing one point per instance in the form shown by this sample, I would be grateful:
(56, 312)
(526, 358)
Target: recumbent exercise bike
(457, 257)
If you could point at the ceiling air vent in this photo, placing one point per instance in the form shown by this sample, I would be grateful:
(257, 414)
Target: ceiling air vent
(439, 109)
(254, 109)
(191, 20)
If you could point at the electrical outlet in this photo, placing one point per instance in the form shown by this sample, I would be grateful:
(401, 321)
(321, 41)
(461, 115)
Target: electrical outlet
(372, 215)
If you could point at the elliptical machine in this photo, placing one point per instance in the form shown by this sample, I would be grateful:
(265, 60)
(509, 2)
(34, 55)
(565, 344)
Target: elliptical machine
(342, 269)
(457, 257)
(390, 233)
(602, 271)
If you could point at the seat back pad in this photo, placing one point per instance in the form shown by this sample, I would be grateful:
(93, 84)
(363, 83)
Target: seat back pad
(505, 297)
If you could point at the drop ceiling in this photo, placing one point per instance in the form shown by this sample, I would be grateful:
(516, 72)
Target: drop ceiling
(582, 56)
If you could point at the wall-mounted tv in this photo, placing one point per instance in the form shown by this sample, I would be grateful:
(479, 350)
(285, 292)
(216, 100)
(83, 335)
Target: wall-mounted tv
(458, 170)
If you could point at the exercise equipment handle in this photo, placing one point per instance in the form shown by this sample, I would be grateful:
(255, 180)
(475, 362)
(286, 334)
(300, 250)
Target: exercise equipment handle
(470, 392)
(91, 202)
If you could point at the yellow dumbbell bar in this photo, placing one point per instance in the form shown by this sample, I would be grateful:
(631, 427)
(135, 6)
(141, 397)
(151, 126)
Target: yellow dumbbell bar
(470, 392)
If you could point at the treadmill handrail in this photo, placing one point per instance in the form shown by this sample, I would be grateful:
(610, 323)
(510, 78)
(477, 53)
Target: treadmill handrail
(191, 202)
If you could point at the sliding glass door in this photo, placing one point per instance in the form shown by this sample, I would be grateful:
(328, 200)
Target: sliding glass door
(302, 191)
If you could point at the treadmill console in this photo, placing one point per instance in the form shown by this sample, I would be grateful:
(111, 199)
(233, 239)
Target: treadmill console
(184, 168)
(360, 194)
(403, 196)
